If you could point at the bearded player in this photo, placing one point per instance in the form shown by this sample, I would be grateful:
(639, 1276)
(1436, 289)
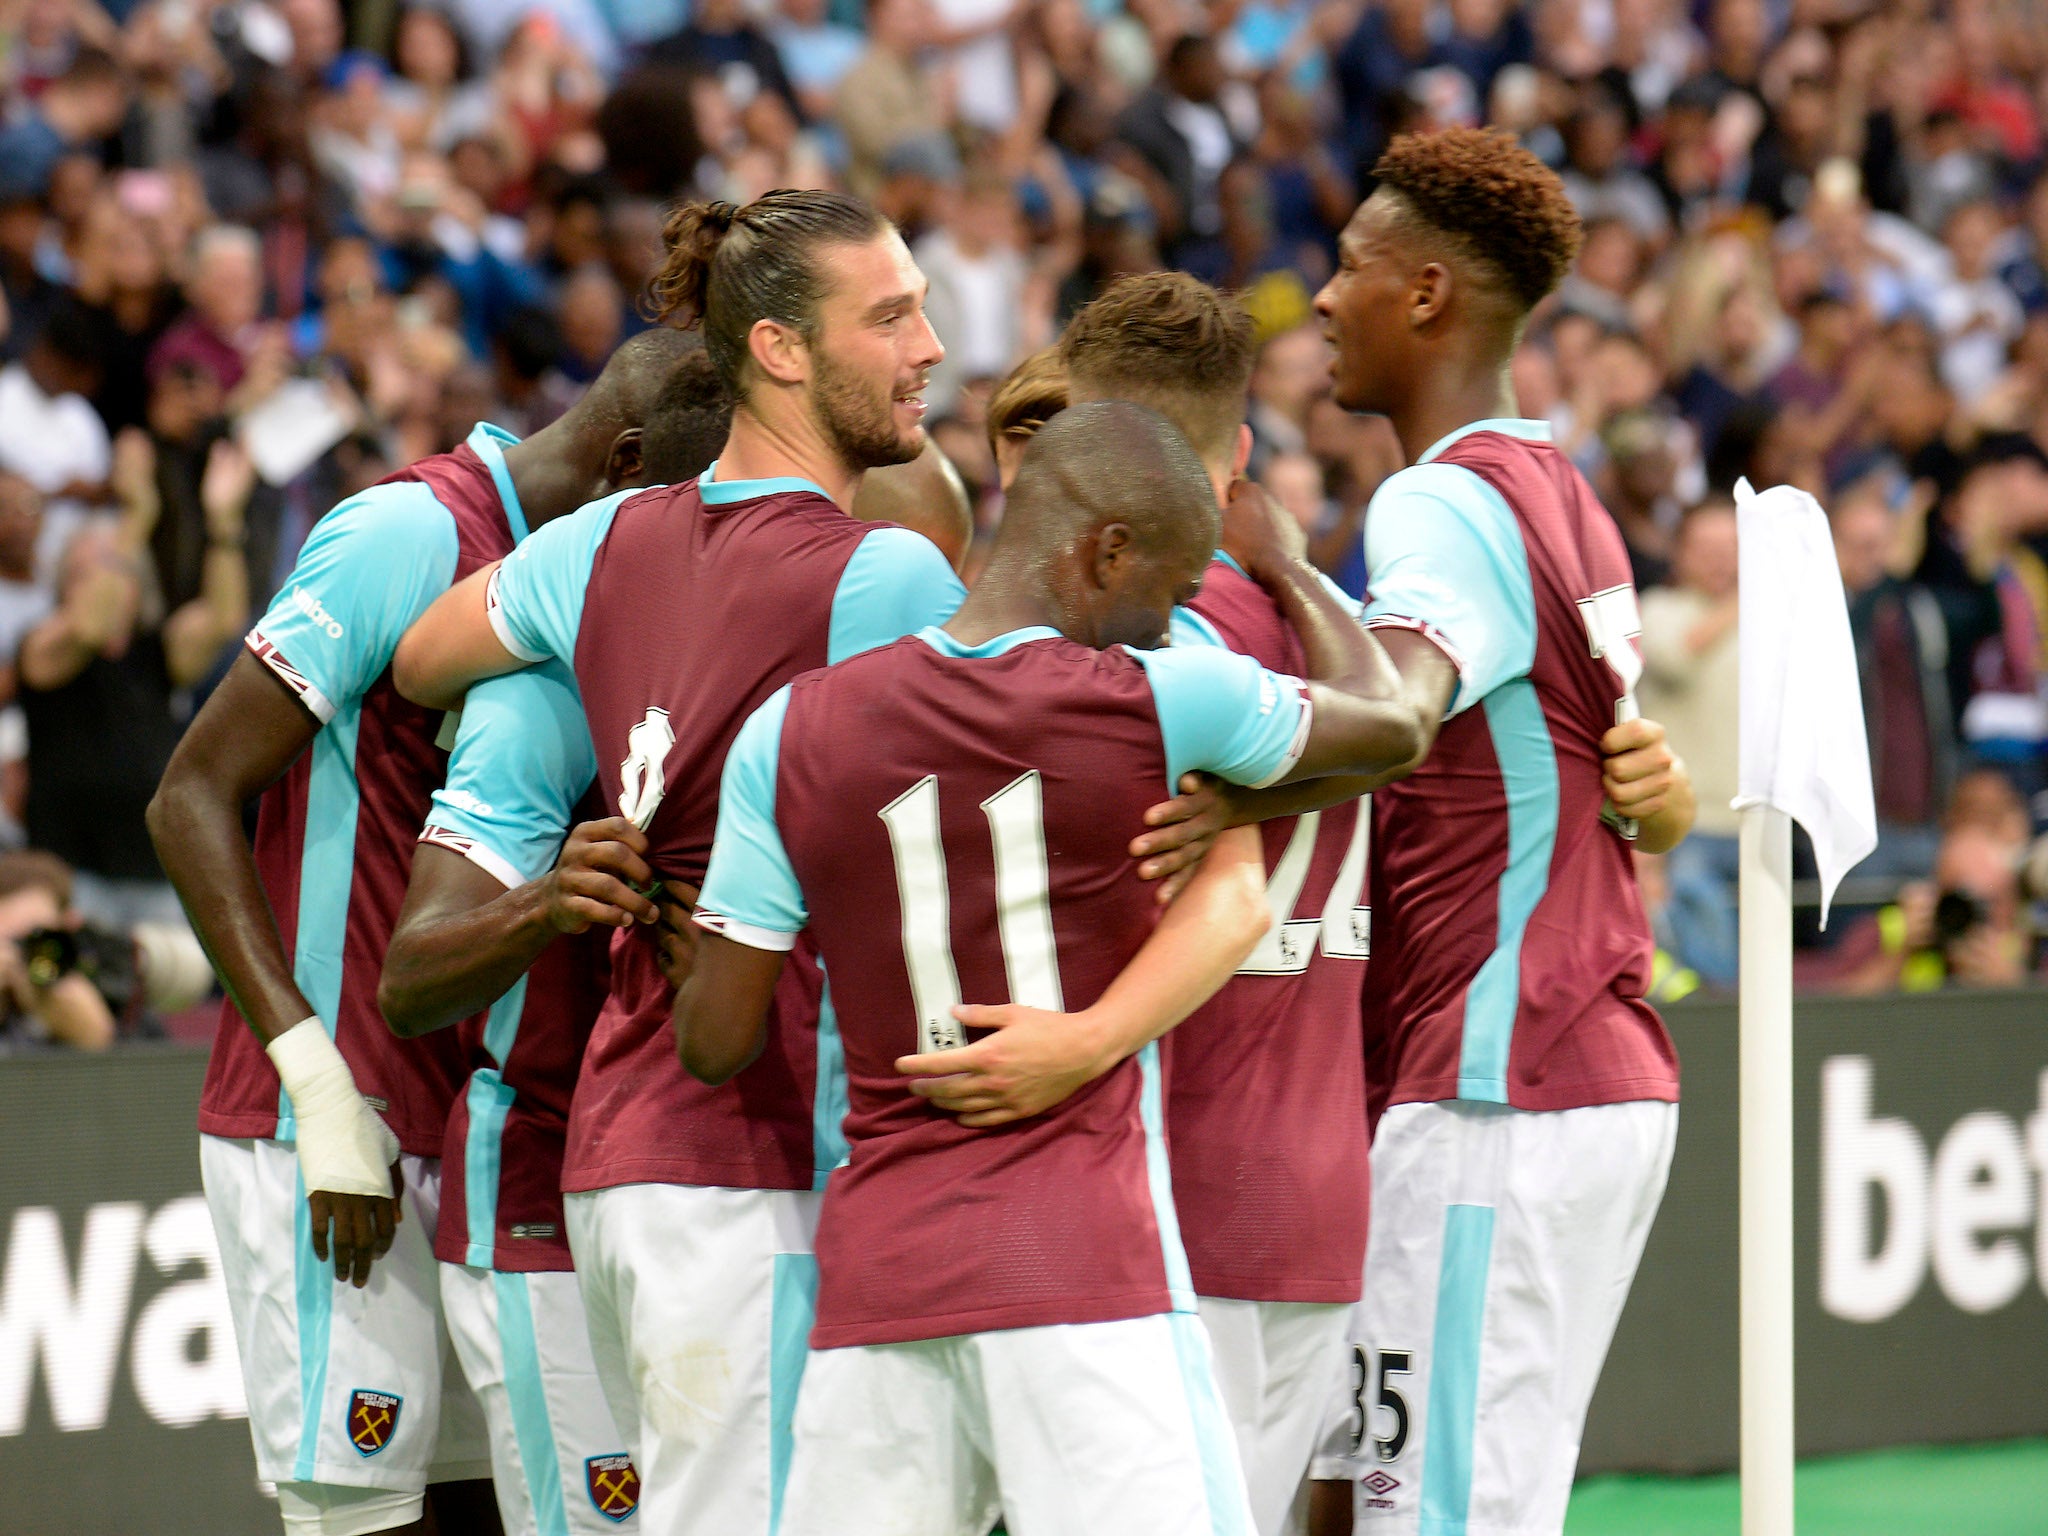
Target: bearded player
(315, 1119)
(1004, 1317)
(1532, 1091)
(690, 1209)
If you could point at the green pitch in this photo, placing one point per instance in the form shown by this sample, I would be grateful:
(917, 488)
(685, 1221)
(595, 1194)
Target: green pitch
(1972, 1490)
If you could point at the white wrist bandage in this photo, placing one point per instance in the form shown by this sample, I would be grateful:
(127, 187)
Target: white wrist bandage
(345, 1147)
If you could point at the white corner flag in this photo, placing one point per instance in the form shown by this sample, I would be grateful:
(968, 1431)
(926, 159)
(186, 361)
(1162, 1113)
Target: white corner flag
(1804, 757)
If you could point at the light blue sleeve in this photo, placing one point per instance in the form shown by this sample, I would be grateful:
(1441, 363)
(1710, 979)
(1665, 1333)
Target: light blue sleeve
(750, 892)
(896, 584)
(1444, 555)
(1187, 627)
(1225, 714)
(521, 763)
(536, 597)
(367, 570)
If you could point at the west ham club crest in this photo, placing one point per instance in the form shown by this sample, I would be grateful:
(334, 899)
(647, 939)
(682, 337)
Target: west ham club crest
(614, 1485)
(372, 1419)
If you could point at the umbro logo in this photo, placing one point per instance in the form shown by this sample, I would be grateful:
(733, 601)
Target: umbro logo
(1381, 1484)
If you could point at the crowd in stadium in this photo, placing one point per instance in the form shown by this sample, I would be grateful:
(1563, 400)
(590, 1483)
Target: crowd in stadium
(255, 256)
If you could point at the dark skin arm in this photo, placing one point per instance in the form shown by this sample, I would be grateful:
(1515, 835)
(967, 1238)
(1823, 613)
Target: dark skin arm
(250, 732)
(721, 1013)
(463, 939)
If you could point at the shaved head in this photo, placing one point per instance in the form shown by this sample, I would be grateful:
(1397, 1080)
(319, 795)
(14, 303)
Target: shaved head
(927, 496)
(1107, 462)
(630, 389)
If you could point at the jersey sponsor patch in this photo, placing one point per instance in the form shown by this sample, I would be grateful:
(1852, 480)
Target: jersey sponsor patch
(613, 1485)
(372, 1419)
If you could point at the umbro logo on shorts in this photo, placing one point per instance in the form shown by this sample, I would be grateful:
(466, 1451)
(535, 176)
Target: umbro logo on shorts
(1381, 1484)
(372, 1419)
(614, 1485)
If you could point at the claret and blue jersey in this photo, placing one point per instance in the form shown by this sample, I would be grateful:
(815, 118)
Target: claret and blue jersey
(334, 835)
(1510, 949)
(680, 610)
(976, 849)
(518, 778)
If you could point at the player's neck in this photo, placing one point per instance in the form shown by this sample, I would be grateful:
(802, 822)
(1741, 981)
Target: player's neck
(545, 478)
(1002, 600)
(1451, 397)
(774, 444)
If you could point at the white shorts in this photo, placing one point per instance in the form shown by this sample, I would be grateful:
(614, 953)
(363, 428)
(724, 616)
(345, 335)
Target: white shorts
(560, 1464)
(348, 1388)
(1502, 1247)
(1278, 1364)
(1110, 1428)
(700, 1302)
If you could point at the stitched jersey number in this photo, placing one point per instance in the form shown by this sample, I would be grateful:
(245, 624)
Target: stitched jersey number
(1016, 824)
(1613, 624)
(1345, 928)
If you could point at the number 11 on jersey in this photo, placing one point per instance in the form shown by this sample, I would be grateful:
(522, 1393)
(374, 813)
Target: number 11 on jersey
(1016, 823)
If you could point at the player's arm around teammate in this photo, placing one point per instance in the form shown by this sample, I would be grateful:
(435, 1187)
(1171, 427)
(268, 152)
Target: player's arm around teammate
(1361, 731)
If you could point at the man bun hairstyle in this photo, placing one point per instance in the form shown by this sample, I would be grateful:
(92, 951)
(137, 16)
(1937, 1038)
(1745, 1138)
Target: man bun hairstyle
(729, 267)
(1496, 203)
(1171, 342)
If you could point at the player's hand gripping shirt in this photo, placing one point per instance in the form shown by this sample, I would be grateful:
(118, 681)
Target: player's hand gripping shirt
(1510, 949)
(975, 848)
(1265, 1083)
(681, 610)
(334, 836)
(522, 763)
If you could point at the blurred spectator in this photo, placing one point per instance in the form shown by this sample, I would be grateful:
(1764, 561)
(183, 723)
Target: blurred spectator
(1691, 683)
(722, 40)
(1903, 640)
(42, 1001)
(886, 99)
(1969, 925)
(1179, 130)
(73, 112)
(49, 433)
(109, 653)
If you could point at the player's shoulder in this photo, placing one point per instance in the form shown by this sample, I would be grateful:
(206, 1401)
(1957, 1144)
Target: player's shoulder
(397, 514)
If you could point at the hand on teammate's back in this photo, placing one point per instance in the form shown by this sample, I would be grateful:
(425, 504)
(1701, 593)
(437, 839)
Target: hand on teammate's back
(1031, 1060)
(1183, 830)
(1258, 533)
(599, 878)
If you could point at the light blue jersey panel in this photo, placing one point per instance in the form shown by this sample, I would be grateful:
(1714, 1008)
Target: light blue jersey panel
(1225, 714)
(537, 594)
(750, 886)
(522, 761)
(1444, 551)
(1187, 627)
(896, 584)
(368, 569)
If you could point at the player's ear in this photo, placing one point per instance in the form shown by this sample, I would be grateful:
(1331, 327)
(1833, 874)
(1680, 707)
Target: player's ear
(1114, 547)
(1430, 294)
(779, 351)
(1243, 455)
(626, 460)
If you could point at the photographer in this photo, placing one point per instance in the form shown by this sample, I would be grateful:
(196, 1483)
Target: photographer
(43, 996)
(1969, 926)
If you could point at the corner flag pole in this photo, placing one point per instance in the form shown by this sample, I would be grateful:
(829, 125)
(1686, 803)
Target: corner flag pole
(1765, 1078)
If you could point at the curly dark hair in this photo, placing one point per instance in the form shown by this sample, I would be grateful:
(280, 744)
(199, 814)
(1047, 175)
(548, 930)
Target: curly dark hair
(1497, 203)
(1172, 342)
